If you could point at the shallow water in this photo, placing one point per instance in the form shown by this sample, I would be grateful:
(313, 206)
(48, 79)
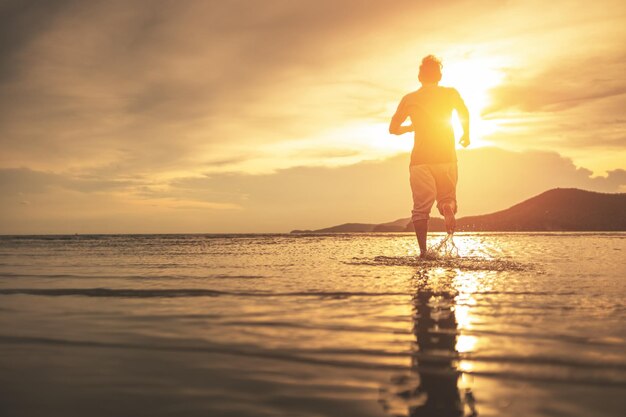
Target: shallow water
(319, 325)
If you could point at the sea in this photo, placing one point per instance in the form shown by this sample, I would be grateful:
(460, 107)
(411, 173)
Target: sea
(518, 324)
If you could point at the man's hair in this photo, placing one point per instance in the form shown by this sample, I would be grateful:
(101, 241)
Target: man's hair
(430, 70)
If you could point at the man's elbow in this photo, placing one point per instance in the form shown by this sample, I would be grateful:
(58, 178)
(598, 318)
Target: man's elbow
(463, 112)
(394, 130)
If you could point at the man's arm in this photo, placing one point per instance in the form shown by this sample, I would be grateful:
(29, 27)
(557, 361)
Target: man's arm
(463, 113)
(395, 127)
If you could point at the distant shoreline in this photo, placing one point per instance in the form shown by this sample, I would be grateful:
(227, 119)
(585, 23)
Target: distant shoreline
(313, 234)
(556, 210)
(559, 210)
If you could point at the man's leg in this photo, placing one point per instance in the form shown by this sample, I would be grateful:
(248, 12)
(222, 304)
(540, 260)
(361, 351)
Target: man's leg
(424, 192)
(421, 232)
(446, 179)
(448, 215)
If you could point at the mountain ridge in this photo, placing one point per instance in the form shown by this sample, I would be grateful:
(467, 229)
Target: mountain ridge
(558, 209)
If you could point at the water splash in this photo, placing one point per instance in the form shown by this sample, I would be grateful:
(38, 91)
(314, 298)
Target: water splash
(443, 249)
(466, 263)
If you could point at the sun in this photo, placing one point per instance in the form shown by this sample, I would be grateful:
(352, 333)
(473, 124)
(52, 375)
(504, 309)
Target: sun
(473, 78)
(369, 139)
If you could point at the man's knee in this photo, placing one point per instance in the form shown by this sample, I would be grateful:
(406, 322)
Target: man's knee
(418, 215)
(443, 202)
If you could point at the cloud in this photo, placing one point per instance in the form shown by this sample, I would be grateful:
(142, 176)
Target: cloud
(567, 84)
(153, 87)
(27, 181)
(493, 178)
(22, 21)
(153, 83)
(144, 108)
(615, 180)
(305, 197)
(573, 105)
(490, 179)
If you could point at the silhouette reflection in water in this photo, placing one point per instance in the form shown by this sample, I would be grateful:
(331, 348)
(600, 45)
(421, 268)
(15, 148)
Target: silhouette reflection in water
(431, 388)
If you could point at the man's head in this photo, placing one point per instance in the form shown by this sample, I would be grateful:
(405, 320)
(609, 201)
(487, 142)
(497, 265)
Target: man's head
(430, 70)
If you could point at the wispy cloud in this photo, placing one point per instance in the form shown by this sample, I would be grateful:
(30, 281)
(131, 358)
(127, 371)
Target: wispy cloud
(157, 82)
(566, 84)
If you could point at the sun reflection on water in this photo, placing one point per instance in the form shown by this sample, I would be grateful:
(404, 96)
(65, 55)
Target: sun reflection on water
(442, 302)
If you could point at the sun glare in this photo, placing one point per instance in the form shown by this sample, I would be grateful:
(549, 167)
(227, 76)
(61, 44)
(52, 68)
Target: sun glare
(368, 139)
(473, 79)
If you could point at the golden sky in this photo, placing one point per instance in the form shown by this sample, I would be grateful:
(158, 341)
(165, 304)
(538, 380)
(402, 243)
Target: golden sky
(266, 116)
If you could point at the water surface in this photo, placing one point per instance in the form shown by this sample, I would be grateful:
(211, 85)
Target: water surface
(315, 325)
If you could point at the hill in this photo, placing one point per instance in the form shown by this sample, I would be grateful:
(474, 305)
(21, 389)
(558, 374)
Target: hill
(559, 209)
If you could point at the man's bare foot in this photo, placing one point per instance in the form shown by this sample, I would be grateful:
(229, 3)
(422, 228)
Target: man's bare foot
(448, 215)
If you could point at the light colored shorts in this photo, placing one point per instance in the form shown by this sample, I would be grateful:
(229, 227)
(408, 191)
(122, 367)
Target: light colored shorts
(432, 182)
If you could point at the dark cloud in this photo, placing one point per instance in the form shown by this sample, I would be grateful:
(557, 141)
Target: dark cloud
(577, 103)
(155, 80)
(615, 180)
(490, 179)
(22, 21)
(305, 197)
(560, 88)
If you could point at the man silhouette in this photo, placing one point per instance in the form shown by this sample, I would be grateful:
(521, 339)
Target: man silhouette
(433, 169)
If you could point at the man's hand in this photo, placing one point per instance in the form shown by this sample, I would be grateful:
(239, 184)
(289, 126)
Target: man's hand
(465, 141)
(400, 130)
(406, 129)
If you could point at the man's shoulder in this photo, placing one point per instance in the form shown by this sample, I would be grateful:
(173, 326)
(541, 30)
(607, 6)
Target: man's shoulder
(411, 97)
(437, 90)
(451, 91)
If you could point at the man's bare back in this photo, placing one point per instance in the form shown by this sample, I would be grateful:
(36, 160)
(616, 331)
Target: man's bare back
(430, 110)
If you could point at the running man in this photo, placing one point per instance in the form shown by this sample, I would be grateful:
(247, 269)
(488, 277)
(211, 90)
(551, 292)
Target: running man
(433, 170)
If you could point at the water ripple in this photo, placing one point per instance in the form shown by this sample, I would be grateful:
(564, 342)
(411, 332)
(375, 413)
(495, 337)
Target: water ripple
(463, 263)
(191, 292)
